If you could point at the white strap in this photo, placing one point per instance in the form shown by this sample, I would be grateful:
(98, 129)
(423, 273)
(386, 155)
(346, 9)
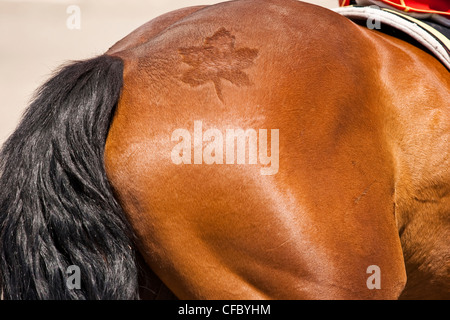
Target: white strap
(409, 27)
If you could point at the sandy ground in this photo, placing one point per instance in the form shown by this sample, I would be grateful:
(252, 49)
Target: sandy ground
(35, 39)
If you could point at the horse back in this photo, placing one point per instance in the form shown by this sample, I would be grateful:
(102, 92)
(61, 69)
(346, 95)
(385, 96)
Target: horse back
(309, 225)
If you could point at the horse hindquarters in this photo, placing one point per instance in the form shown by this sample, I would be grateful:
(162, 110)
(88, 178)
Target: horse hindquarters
(312, 230)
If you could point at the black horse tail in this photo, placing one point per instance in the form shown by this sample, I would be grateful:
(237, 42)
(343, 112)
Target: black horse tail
(57, 208)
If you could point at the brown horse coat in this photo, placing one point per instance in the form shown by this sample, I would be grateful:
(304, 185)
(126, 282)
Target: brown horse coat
(363, 177)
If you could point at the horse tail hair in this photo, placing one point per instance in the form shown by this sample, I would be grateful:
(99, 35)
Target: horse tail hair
(58, 214)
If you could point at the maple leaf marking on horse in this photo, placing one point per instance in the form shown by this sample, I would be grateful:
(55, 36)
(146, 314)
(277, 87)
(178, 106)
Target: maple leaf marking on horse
(218, 59)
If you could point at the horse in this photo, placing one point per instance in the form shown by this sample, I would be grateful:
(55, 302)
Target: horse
(148, 167)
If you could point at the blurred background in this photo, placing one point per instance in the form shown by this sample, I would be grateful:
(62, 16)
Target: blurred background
(37, 36)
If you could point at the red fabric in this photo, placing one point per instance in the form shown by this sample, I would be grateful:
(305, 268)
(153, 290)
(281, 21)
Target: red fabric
(420, 6)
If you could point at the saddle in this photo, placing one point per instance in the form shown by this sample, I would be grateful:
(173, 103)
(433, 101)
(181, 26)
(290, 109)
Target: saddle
(426, 34)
